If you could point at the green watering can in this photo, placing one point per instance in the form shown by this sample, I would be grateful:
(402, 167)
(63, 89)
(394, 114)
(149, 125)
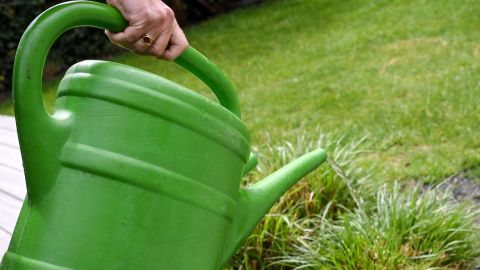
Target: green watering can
(132, 171)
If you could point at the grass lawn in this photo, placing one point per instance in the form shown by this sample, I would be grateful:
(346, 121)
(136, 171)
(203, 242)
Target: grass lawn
(403, 74)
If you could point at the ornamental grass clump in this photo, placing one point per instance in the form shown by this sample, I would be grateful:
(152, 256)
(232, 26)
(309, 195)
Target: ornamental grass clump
(296, 213)
(414, 230)
(339, 217)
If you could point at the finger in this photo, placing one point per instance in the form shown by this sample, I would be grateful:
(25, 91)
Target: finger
(126, 38)
(178, 44)
(143, 47)
(159, 46)
(160, 37)
(112, 3)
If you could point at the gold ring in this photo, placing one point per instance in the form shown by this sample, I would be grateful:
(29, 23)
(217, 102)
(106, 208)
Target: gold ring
(147, 40)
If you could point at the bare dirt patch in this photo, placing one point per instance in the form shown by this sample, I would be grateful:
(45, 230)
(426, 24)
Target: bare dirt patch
(462, 189)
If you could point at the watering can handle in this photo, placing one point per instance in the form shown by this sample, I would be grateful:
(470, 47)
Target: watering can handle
(46, 28)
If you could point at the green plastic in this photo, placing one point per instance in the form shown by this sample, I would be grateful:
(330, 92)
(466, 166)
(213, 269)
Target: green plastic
(132, 171)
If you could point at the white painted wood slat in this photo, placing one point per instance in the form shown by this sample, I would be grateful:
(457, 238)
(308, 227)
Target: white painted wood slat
(10, 158)
(9, 210)
(4, 241)
(8, 138)
(12, 180)
(7, 122)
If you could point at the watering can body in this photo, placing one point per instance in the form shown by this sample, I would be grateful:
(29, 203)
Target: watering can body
(132, 171)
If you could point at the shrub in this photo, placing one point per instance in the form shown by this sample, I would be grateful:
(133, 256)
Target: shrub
(81, 43)
(72, 46)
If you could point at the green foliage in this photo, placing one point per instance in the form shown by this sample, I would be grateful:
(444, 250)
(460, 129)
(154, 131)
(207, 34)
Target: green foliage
(14, 18)
(71, 47)
(191, 11)
(80, 43)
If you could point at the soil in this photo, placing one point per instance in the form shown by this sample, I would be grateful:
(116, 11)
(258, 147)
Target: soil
(462, 188)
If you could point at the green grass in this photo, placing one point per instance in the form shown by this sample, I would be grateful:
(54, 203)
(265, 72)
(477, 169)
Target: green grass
(402, 77)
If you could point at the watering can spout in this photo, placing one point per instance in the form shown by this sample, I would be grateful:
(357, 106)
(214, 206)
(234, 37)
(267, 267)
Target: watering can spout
(256, 200)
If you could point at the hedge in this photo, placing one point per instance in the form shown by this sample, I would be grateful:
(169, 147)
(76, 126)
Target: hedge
(82, 43)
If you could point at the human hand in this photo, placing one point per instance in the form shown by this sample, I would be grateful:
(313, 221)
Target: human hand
(152, 29)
